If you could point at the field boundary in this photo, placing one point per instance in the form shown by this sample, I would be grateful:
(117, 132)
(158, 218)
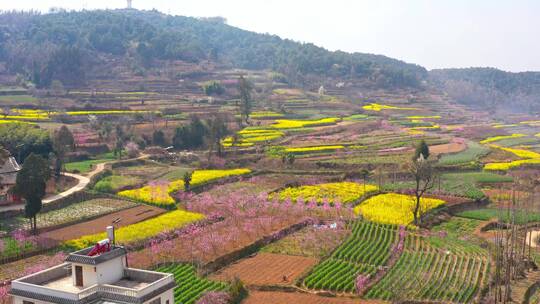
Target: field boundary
(231, 257)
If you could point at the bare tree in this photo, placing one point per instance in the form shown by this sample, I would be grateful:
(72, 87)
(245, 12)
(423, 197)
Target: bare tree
(424, 178)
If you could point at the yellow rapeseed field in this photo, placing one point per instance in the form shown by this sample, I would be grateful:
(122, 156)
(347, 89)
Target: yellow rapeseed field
(301, 150)
(293, 124)
(378, 107)
(393, 208)
(247, 137)
(141, 231)
(528, 157)
(160, 194)
(345, 192)
(497, 138)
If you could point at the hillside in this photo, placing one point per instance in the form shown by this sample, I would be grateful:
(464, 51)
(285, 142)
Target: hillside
(490, 87)
(66, 46)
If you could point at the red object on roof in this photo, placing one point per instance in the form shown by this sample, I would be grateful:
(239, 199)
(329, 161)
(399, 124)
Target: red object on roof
(100, 247)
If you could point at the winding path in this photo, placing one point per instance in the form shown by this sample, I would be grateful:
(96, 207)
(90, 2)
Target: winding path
(83, 181)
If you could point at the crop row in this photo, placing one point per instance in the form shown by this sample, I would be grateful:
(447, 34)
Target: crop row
(473, 152)
(414, 242)
(189, 286)
(432, 276)
(369, 243)
(367, 248)
(336, 275)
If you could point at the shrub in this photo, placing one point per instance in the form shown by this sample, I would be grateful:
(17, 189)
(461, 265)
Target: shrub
(213, 88)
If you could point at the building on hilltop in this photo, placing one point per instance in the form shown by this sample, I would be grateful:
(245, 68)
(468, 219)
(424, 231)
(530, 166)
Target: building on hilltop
(95, 275)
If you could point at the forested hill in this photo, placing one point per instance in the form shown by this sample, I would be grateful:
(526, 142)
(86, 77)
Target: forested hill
(489, 87)
(45, 47)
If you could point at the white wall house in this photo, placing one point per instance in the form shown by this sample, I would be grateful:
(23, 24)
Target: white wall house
(104, 278)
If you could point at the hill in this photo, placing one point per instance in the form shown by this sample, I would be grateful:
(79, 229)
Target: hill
(489, 87)
(66, 45)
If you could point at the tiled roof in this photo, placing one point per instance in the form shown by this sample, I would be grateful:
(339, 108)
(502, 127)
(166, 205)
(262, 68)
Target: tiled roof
(10, 166)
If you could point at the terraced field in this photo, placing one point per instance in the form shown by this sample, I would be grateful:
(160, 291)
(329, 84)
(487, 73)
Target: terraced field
(425, 273)
(190, 287)
(431, 268)
(367, 248)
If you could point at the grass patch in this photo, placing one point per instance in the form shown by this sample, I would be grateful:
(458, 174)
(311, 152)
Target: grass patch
(17, 99)
(510, 142)
(85, 166)
(176, 174)
(356, 117)
(485, 214)
(114, 183)
(473, 152)
(457, 226)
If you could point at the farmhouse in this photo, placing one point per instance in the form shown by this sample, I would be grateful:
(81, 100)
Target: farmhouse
(8, 176)
(95, 275)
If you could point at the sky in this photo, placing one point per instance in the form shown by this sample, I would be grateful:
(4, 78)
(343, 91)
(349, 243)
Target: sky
(433, 33)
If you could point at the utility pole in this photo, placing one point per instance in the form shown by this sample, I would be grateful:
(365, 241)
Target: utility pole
(129, 4)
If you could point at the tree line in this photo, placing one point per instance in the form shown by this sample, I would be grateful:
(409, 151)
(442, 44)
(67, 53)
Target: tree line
(61, 45)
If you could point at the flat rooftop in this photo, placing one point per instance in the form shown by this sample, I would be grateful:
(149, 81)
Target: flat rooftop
(129, 283)
(64, 283)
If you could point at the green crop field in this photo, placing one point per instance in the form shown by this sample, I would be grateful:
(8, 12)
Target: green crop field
(190, 287)
(465, 184)
(367, 248)
(473, 152)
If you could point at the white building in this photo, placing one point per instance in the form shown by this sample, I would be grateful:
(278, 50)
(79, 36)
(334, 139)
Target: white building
(103, 278)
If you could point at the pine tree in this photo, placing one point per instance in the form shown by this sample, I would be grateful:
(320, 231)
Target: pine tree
(31, 184)
(63, 142)
(245, 88)
(421, 149)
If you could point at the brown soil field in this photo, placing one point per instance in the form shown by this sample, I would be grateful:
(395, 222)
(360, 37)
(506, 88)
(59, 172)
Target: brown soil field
(487, 235)
(267, 269)
(278, 297)
(128, 217)
(448, 148)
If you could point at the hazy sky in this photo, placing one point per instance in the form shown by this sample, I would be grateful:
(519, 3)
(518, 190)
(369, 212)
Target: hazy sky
(432, 33)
